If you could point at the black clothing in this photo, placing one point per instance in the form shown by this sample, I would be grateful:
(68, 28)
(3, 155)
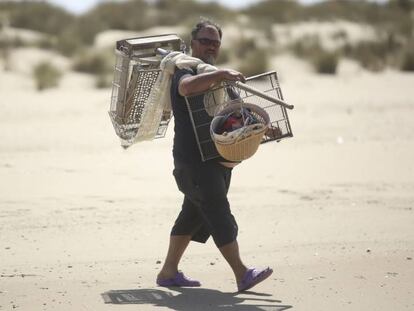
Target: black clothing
(205, 209)
(185, 144)
(186, 148)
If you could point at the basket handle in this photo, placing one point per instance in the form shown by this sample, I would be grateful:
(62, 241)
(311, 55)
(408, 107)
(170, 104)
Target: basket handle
(259, 93)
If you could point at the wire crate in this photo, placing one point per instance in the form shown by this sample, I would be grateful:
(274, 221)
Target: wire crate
(262, 90)
(137, 68)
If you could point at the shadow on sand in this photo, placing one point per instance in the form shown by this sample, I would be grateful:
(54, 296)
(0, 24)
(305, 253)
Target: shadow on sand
(192, 299)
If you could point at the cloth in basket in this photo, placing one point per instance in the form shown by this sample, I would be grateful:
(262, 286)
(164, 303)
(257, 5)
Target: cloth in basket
(242, 141)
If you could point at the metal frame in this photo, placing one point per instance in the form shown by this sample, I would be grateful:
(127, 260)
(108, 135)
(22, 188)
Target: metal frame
(136, 70)
(263, 90)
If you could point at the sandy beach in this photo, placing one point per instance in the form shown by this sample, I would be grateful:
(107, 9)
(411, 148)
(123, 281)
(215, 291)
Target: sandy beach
(331, 209)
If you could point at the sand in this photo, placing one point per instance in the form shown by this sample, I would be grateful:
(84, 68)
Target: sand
(332, 34)
(331, 209)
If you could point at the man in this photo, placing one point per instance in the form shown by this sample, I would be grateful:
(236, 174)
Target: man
(205, 210)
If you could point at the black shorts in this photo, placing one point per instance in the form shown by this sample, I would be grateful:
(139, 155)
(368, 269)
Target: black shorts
(205, 209)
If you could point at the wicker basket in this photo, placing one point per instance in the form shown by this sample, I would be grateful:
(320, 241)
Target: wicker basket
(242, 143)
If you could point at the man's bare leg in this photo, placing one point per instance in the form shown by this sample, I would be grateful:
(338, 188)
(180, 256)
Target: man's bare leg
(231, 253)
(176, 248)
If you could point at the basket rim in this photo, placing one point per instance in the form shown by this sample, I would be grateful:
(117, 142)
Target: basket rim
(245, 133)
(242, 136)
(232, 106)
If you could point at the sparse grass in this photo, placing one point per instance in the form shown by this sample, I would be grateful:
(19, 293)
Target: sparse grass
(46, 76)
(251, 59)
(243, 47)
(69, 44)
(310, 48)
(5, 56)
(326, 62)
(12, 42)
(340, 35)
(36, 15)
(103, 81)
(47, 43)
(98, 64)
(408, 61)
(307, 47)
(254, 62)
(93, 63)
(72, 34)
(372, 55)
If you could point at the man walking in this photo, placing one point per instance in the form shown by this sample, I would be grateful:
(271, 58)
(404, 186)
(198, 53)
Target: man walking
(205, 209)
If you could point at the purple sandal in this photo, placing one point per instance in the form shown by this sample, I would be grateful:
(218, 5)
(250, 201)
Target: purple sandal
(252, 277)
(179, 280)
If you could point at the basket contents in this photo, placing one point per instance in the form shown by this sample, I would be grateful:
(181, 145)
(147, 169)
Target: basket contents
(237, 132)
(225, 132)
(235, 120)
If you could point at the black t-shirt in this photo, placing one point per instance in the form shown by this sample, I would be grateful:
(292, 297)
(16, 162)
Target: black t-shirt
(186, 149)
(185, 144)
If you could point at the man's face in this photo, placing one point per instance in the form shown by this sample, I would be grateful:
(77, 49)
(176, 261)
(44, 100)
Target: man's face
(206, 45)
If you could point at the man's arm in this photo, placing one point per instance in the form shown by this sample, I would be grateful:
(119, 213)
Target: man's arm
(190, 84)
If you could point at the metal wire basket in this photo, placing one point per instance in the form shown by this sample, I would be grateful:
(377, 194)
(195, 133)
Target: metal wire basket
(262, 91)
(136, 70)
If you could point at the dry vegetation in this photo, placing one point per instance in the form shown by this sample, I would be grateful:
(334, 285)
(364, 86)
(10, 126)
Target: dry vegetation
(73, 36)
(46, 75)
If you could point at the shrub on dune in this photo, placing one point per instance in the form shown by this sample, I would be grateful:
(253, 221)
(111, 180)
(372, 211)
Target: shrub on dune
(254, 62)
(93, 63)
(326, 62)
(98, 64)
(408, 61)
(46, 75)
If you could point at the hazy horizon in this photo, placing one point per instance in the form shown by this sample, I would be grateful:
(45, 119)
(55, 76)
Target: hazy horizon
(81, 6)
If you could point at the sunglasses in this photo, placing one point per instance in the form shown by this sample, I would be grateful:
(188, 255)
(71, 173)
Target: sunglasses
(205, 41)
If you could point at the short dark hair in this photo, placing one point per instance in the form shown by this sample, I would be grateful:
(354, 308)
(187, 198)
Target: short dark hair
(203, 24)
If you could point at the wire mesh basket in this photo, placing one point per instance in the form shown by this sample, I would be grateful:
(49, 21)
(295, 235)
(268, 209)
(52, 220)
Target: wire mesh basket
(136, 71)
(262, 91)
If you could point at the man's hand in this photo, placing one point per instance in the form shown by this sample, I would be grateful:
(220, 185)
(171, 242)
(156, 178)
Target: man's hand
(189, 84)
(232, 75)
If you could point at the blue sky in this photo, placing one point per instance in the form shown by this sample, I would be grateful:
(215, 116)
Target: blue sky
(80, 6)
